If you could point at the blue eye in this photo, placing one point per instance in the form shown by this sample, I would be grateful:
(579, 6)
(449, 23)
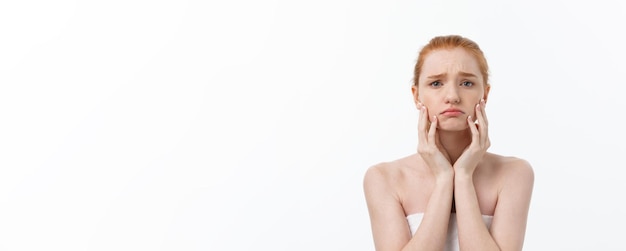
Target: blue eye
(436, 83)
(467, 83)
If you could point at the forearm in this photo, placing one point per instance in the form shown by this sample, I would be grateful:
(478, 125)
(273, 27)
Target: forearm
(473, 233)
(432, 231)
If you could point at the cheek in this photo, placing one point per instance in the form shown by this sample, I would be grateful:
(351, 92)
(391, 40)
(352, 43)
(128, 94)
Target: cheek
(428, 100)
(474, 113)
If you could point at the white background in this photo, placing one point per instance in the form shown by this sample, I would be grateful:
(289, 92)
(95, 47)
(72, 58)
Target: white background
(248, 125)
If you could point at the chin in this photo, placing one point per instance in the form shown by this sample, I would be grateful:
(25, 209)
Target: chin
(453, 127)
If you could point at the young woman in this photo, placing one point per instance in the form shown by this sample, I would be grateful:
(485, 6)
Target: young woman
(452, 194)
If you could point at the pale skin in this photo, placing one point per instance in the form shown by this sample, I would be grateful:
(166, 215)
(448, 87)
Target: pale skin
(451, 163)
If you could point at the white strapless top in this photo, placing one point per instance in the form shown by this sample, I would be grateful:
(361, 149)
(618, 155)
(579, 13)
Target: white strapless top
(452, 241)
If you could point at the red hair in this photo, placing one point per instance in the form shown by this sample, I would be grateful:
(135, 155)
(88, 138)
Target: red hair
(451, 42)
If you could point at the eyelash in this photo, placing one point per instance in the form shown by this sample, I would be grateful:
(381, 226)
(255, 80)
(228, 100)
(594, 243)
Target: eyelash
(471, 84)
(433, 84)
(462, 83)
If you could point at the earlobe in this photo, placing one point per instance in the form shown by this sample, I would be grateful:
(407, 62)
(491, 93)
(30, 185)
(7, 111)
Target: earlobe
(487, 89)
(416, 99)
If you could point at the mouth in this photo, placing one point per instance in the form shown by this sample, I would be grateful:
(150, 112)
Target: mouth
(452, 112)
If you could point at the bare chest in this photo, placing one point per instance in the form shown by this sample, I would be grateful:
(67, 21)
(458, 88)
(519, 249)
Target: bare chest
(415, 189)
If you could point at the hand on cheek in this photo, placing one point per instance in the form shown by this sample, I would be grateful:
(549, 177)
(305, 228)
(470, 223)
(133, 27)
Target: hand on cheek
(474, 153)
(429, 147)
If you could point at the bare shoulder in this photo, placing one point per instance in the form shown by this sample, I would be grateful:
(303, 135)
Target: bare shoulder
(381, 174)
(385, 176)
(511, 163)
(512, 167)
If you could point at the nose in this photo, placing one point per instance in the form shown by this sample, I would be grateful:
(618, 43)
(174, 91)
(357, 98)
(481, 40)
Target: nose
(452, 95)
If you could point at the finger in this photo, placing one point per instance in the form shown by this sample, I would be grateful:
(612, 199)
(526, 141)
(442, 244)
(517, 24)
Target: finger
(440, 147)
(438, 140)
(473, 129)
(422, 126)
(482, 122)
(433, 130)
(482, 111)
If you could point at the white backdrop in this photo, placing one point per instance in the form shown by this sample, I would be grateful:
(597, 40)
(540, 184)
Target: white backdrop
(248, 125)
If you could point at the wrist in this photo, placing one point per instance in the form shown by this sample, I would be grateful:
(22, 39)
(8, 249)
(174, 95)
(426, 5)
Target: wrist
(445, 176)
(461, 177)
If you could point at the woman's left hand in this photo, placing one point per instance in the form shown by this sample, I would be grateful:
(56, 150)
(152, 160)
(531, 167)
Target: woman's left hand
(473, 154)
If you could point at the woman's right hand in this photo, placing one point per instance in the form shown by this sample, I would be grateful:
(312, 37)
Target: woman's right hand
(429, 148)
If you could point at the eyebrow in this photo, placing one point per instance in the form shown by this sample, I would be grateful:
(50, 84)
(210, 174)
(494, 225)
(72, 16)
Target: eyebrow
(462, 74)
(467, 74)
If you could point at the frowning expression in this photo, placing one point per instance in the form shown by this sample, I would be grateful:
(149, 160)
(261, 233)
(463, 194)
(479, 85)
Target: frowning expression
(450, 85)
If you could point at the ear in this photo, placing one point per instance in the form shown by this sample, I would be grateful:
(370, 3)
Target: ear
(486, 94)
(416, 97)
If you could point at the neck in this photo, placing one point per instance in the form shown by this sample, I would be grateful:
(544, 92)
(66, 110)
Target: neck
(455, 142)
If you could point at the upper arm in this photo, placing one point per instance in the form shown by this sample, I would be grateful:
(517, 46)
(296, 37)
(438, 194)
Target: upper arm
(509, 222)
(389, 225)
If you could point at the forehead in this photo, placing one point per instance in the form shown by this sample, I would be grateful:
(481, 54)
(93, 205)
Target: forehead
(450, 61)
